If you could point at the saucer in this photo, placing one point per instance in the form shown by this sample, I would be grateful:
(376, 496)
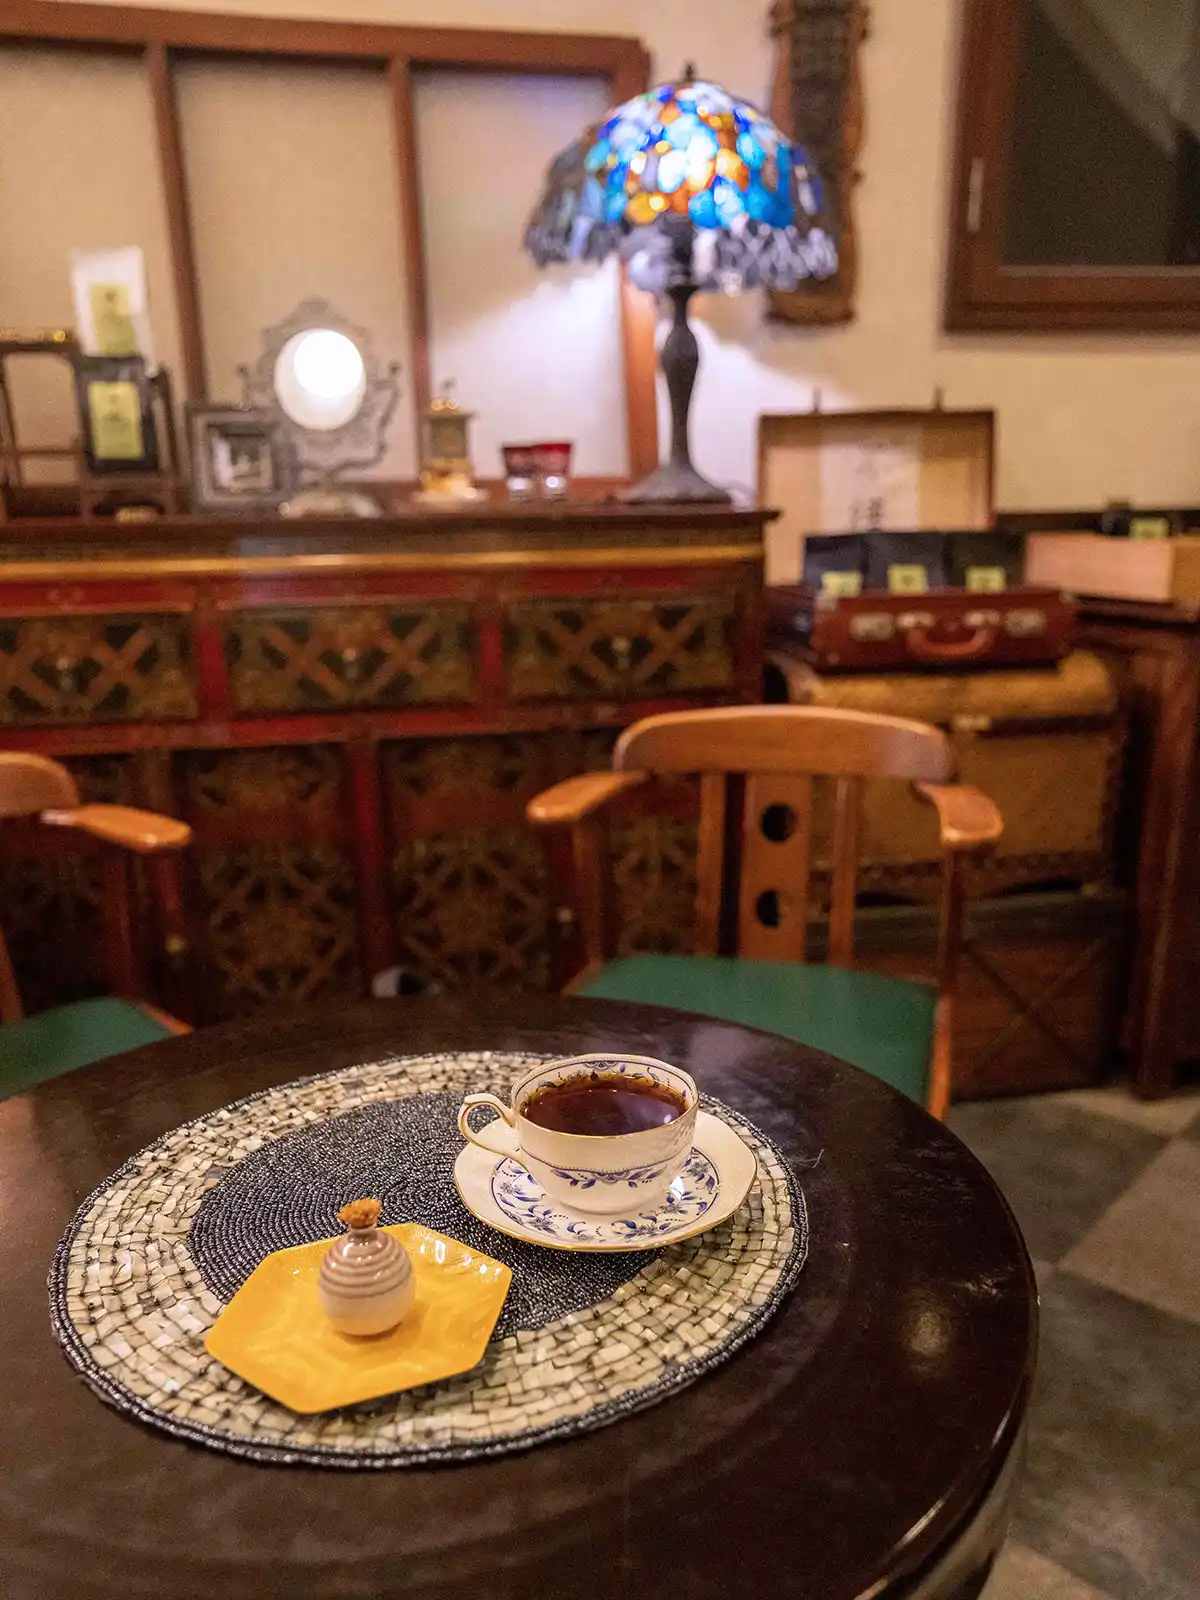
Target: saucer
(274, 1333)
(715, 1180)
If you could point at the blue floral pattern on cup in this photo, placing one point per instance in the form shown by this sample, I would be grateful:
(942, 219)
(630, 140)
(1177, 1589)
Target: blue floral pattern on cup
(525, 1203)
(586, 1178)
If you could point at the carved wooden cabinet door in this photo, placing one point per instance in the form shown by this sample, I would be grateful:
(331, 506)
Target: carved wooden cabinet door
(321, 658)
(572, 649)
(470, 889)
(100, 668)
(273, 874)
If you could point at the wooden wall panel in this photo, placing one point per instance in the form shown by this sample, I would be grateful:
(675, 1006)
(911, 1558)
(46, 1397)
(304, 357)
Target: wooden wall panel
(78, 168)
(536, 354)
(293, 192)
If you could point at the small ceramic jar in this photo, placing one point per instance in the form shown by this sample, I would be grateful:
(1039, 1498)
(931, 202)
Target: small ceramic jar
(365, 1281)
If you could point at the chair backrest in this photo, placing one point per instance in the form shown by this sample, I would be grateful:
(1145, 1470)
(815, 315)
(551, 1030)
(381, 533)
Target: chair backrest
(780, 750)
(29, 784)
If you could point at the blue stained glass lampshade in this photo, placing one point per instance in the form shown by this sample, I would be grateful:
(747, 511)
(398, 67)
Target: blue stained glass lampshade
(686, 167)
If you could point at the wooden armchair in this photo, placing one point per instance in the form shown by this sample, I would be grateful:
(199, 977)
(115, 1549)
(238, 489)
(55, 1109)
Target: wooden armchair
(899, 1031)
(56, 1041)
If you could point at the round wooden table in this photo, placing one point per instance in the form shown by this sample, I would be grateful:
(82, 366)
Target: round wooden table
(863, 1444)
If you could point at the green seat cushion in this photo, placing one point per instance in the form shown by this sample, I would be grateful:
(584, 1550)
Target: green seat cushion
(883, 1025)
(57, 1041)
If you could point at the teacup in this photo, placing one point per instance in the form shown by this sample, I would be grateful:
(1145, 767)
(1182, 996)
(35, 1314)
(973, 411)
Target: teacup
(610, 1174)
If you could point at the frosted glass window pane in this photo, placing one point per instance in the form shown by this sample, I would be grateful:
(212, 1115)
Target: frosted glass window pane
(294, 194)
(78, 168)
(536, 354)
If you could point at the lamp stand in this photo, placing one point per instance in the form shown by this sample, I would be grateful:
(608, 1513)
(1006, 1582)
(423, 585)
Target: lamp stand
(677, 479)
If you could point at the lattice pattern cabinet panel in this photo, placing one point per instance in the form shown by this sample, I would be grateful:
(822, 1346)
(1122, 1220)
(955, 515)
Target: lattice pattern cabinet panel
(280, 927)
(616, 648)
(226, 788)
(51, 905)
(469, 886)
(326, 657)
(653, 866)
(480, 766)
(471, 891)
(95, 668)
(273, 877)
(472, 908)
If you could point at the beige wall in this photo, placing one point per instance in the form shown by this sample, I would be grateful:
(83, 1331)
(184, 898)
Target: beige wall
(1082, 419)
(292, 186)
(534, 355)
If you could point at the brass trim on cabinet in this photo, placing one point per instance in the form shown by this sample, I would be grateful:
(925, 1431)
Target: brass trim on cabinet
(237, 566)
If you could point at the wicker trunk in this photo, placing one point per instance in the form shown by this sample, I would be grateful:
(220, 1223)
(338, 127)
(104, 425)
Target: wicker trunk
(1041, 981)
(1046, 745)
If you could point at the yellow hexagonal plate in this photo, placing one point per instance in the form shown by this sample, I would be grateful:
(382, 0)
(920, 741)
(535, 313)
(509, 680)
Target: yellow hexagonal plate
(274, 1333)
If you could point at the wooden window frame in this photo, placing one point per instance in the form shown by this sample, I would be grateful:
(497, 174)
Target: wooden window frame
(983, 293)
(162, 38)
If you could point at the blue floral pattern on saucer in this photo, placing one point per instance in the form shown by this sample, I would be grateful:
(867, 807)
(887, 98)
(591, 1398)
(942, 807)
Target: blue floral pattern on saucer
(525, 1203)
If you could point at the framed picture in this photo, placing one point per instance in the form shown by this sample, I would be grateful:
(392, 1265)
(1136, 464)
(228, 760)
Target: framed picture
(114, 398)
(239, 459)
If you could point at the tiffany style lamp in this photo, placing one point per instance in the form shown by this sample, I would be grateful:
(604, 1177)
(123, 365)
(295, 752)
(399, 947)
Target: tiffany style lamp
(696, 191)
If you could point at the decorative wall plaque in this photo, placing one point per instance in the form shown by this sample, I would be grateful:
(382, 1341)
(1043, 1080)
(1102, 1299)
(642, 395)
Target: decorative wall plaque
(817, 98)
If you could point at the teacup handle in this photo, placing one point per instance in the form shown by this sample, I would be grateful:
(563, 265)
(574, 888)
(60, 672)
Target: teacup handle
(500, 1137)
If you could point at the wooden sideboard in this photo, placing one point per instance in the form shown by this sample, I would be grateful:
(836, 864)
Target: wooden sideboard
(1154, 651)
(351, 716)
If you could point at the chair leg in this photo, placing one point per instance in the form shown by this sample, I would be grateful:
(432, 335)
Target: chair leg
(11, 1009)
(937, 1099)
(120, 950)
(949, 943)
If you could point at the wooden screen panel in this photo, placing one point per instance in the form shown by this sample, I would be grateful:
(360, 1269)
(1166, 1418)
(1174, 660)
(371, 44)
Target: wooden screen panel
(535, 354)
(293, 192)
(78, 169)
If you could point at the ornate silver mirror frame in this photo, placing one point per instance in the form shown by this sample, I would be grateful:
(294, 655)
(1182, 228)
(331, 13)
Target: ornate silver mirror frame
(324, 454)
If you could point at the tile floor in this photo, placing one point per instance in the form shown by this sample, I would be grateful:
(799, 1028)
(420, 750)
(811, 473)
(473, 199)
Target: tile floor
(1107, 1191)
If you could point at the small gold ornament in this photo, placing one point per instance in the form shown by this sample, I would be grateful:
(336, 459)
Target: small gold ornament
(447, 476)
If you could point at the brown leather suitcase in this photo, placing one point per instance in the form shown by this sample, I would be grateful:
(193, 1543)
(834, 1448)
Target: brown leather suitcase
(879, 476)
(942, 630)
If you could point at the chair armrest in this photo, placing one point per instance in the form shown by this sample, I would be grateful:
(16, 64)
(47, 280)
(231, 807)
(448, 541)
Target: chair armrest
(577, 798)
(969, 819)
(143, 831)
(172, 1024)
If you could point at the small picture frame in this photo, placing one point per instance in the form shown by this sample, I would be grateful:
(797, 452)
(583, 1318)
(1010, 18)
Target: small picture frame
(115, 415)
(239, 459)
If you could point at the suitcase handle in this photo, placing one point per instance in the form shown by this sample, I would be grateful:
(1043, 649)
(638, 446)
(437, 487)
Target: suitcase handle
(976, 644)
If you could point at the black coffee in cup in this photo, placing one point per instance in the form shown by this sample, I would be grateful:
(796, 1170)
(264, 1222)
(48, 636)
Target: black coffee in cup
(604, 1105)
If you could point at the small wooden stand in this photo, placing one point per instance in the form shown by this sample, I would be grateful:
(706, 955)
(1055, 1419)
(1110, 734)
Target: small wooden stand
(62, 345)
(162, 491)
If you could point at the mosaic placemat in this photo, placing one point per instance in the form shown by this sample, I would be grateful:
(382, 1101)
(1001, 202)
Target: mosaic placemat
(153, 1255)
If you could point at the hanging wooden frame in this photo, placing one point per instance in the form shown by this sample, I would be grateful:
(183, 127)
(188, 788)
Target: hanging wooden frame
(817, 98)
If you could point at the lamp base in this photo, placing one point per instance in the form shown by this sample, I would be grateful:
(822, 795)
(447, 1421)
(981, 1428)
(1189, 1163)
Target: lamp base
(676, 483)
